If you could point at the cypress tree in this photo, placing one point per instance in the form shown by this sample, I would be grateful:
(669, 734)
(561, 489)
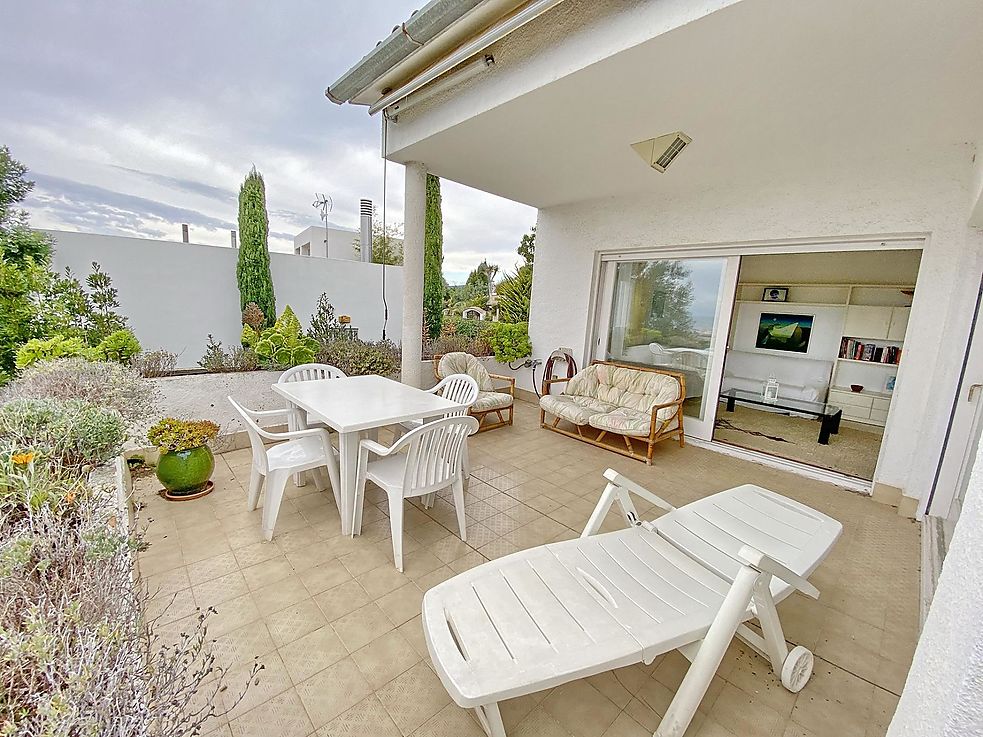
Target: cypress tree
(433, 260)
(253, 268)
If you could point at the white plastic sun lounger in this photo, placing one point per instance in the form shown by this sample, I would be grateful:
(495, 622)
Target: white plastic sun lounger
(687, 581)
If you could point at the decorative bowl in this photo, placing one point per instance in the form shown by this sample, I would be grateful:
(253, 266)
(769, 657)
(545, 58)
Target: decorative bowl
(856, 388)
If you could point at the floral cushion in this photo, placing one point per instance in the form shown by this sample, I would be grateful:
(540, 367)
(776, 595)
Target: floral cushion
(626, 388)
(577, 410)
(464, 363)
(491, 400)
(626, 422)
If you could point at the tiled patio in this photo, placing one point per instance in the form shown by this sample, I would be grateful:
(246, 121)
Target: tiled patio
(338, 628)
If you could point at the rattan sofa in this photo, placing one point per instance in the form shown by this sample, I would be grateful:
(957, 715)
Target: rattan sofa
(607, 400)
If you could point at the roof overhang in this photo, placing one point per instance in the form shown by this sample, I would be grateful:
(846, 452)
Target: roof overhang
(767, 89)
(427, 36)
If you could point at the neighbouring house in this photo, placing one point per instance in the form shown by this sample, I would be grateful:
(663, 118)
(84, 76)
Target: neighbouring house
(176, 294)
(756, 193)
(473, 313)
(335, 241)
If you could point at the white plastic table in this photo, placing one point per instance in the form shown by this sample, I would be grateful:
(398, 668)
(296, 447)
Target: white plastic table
(356, 404)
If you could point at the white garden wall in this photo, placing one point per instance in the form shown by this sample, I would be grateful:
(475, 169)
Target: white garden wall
(929, 197)
(175, 294)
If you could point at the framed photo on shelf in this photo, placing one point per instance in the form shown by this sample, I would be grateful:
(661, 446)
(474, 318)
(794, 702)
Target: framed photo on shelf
(889, 383)
(775, 294)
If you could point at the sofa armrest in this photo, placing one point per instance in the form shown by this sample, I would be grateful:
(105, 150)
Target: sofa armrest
(509, 379)
(678, 403)
(547, 383)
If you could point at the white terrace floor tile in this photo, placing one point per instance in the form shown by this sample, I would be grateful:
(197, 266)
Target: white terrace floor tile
(339, 628)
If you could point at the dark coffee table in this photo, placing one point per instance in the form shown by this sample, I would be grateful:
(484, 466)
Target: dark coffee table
(829, 415)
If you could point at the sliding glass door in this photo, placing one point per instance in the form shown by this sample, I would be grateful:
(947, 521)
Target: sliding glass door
(670, 313)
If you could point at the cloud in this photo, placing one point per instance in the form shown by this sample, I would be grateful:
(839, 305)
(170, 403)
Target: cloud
(135, 118)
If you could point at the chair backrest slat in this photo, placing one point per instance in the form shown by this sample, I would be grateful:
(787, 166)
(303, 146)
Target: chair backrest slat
(311, 372)
(459, 388)
(433, 458)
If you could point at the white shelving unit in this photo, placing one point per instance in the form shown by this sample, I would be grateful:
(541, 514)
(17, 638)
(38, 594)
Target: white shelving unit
(875, 313)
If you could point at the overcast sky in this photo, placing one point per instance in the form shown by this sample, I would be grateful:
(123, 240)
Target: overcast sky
(135, 117)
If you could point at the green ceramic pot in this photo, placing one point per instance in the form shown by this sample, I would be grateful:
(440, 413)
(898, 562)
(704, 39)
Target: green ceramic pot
(186, 471)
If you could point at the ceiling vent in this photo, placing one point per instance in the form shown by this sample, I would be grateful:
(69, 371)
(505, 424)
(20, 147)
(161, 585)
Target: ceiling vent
(662, 151)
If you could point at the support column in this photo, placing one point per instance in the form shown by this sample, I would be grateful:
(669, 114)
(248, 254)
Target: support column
(415, 205)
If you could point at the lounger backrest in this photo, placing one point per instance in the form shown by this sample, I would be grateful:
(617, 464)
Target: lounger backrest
(459, 362)
(625, 387)
(713, 530)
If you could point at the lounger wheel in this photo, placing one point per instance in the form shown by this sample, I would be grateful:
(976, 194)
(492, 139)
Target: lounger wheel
(797, 668)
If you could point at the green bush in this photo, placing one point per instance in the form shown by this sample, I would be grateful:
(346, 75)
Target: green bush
(515, 295)
(103, 384)
(72, 434)
(119, 346)
(510, 341)
(358, 358)
(282, 345)
(38, 349)
(219, 361)
(172, 435)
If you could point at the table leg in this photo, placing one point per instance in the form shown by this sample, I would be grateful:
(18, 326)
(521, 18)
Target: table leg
(348, 452)
(825, 428)
(731, 401)
(837, 416)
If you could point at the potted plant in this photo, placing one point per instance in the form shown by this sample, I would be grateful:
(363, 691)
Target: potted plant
(186, 462)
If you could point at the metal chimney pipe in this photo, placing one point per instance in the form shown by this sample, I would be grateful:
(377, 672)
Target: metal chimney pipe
(184, 232)
(365, 208)
(234, 244)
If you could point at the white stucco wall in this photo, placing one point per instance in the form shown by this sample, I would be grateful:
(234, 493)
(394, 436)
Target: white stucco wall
(943, 696)
(873, 199)
(175, 294)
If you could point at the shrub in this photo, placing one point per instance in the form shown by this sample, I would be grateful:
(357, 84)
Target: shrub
(102, 384)
(325, 327)
(153, 364)
(72, 434)
(170, 434)
(515, 295)
(253, 316)
(454, 325)
(80, 656)
(218, 360)
(283, 345)
(119, 346)
(358, 358)
(451, 343)
(37, 349)
(510, 341)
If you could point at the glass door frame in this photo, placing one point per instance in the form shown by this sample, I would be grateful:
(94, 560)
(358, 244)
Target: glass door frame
(694, 427)
(602, 295)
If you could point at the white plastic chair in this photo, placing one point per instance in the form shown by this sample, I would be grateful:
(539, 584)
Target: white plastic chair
(459, 388)
(432, 462)
(299, 450)
(307, 372)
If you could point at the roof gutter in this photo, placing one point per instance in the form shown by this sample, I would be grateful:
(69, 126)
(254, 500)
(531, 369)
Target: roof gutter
(421, 27)
(478, 44)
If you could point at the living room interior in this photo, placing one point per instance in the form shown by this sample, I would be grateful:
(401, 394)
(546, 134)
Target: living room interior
(813, 352)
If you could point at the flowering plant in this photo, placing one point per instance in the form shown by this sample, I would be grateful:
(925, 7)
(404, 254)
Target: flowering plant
(171, 435)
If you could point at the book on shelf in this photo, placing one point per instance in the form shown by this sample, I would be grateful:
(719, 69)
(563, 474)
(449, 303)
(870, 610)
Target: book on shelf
(856, 350)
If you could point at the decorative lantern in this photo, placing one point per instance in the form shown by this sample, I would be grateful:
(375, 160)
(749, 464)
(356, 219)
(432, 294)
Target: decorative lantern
(770, 391)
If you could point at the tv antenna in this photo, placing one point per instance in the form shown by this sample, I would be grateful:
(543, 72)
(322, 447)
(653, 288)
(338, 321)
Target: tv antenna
(325, 204)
